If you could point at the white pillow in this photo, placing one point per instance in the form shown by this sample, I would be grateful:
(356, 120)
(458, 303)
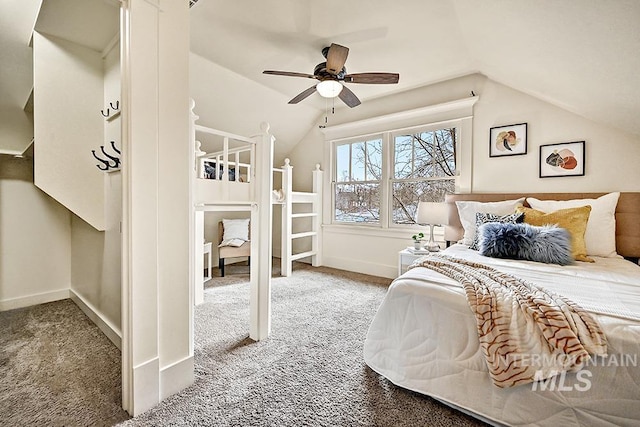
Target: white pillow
(600, 236)
(468, 209)
(236, 229)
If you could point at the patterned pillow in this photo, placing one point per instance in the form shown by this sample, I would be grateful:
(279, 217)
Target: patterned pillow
(548, 244)
(484, 218)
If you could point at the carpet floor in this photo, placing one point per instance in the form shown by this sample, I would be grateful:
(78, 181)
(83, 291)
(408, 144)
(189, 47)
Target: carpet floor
(57, 369)
(310, 372)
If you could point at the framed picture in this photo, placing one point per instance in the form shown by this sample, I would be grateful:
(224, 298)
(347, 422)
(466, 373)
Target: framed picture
(564, 159)
(510, 140)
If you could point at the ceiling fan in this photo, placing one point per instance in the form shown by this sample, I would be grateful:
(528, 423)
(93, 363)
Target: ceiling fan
(332, 74)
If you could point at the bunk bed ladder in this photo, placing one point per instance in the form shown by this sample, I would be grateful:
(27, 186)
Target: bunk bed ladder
(314, 199)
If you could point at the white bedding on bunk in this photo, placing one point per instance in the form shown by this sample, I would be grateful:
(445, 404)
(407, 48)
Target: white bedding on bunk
(424, 338)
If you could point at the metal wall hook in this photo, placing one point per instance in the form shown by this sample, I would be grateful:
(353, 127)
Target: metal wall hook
(113, 145)
(104, 162)
(103, 114)
(115, 159)
(116, 107)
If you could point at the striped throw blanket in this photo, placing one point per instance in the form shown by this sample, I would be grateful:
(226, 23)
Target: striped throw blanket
(526, 332)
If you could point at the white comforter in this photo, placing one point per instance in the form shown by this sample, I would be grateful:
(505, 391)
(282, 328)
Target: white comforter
(424, 338)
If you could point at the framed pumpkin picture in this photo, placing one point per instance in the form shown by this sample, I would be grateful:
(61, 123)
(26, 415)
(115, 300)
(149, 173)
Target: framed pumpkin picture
(563, 159)
(510, 140)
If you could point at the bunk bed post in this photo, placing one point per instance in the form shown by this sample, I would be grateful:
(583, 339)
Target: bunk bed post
(285, 245)
(196, 226)
(261, 229)
(225, 168)
(236, 175)
(316, 240)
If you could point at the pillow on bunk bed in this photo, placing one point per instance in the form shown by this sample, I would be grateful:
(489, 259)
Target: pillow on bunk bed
(210, 172)
(236, 229)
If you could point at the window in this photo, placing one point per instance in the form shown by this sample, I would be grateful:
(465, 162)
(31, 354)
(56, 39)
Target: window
(421, 166)
(406, 157)
(424, 169)
(358, 175)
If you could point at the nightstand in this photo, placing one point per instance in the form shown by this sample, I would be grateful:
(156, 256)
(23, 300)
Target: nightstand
(405, 259)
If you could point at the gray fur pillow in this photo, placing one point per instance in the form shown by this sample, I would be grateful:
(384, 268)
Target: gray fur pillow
(483, 218)
(548, 244)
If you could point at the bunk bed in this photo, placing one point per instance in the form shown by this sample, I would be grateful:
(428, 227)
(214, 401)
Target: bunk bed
(310, 204)
(214, 189)
(235, 173)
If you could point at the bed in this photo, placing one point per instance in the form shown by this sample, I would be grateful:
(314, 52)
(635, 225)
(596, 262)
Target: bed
(424, 336)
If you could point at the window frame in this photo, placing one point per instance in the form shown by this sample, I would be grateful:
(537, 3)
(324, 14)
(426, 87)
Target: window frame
(333, 180)
(459, 112)
(392, 163)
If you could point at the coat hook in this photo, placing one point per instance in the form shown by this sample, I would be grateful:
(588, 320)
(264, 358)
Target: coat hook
(115, 159)
(113, 145)
(473, 93)
(103, 114)
(117, 106)
(104, 162)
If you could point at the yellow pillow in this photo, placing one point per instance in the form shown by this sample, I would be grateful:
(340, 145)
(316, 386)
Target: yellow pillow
(573, 219)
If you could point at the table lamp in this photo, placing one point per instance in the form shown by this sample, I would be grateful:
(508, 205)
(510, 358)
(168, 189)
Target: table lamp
(432, 214)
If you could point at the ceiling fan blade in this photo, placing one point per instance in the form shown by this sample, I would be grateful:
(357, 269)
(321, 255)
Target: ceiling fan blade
(372, 78)
(349, 97)
(336, 57)
(302, 95)
(289, 74)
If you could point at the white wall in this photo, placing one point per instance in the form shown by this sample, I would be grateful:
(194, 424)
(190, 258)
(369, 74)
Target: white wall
(16, 130)
(35, 242)
(611, 159)
(230, 102)
(96, 263)
(611, 156)
(68, 88)
(96, 255)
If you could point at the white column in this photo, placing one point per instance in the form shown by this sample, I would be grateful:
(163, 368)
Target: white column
(157, 302)
(316, 241)
(287, 206)
(196, 225)
(198, 259)
(261, 229)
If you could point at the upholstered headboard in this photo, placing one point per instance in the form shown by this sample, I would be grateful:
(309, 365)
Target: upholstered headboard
(627, 215)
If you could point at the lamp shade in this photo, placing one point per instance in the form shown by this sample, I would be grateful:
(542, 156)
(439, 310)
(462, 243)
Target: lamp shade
(329, 88)
(432, 213)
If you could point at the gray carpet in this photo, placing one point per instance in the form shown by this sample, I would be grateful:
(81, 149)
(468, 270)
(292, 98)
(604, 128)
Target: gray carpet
(58, 369)
(310, 372)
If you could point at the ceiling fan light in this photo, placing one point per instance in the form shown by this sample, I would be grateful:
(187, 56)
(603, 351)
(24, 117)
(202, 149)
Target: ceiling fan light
(329, 88)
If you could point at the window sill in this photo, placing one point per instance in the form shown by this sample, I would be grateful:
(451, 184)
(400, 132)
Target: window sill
(389, 233)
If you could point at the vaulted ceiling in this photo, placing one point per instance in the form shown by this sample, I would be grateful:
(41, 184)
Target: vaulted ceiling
(581, 55)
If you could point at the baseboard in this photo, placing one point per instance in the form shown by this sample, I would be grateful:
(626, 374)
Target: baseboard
(146, 383)
(176, 377)
(29, 300)
(109, 329)
(357, 266)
